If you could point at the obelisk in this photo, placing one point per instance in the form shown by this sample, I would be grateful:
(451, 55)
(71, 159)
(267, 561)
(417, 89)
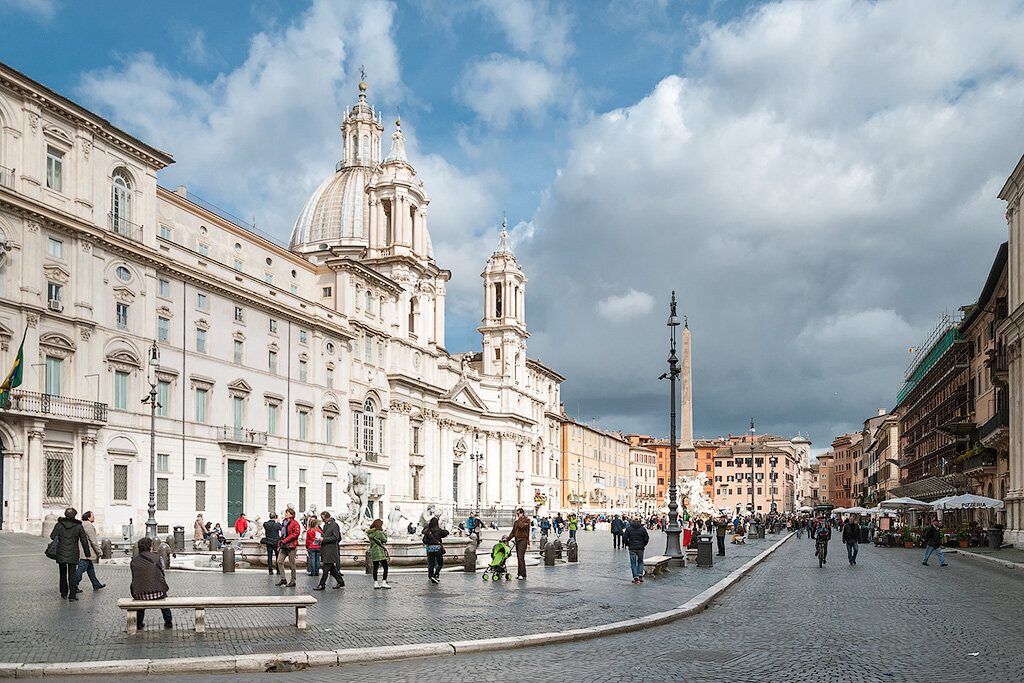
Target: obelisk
(686, 461)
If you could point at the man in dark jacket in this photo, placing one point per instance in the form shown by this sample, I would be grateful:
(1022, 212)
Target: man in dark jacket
(617, 528)
(271, 537)
(932, 538)
(148, 580)
(69, 534)
(635, 537)
(290, 531)
(330, 553)
(721, 529)
(851, 537)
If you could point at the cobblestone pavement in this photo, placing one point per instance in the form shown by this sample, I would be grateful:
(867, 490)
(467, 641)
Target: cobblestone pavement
(886, 619)
(595, 591)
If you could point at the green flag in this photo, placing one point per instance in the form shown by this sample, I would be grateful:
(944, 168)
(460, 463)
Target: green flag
(13, 378)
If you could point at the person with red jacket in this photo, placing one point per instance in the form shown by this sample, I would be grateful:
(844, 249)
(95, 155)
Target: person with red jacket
(241, 525)
(290, 531)
(313, 535)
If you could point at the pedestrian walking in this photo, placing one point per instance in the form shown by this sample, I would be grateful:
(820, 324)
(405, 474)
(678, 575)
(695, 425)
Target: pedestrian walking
(148, 580)
(286, 547)
(533, 529)
(313, 536)
(241, 525)
(271, 539)
(379, 554)
(432, 538)
(721, 529)
(799, 529)
(617, 527)
(521, 534)
(67, 535)
(573, 524)
(199, 532)
(851, 537)
(545, 526)
(635, 537)
(330, 553)
(932, 538)
(87, 564)
(559, 525)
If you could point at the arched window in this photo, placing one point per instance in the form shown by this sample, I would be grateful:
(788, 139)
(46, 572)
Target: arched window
(368, 426)
(369, 302)
(121, 200)
(365, 150)
(354, 148)
(412, 316)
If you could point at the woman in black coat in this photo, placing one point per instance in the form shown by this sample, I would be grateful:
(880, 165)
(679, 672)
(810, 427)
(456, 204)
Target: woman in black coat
(432, 538)
(69, 534)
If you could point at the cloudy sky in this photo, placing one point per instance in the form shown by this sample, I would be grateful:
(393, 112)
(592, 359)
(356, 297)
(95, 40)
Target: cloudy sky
(816, 180)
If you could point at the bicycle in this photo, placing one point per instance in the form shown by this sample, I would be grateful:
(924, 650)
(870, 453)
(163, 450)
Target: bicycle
(821, 550)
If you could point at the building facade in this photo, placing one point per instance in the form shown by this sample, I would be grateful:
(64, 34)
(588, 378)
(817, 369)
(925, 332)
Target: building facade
(596, 468)
(761, 475)
(643, 473)
(275, 365)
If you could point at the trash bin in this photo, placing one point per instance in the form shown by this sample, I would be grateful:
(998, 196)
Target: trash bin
(704, 554)
(179, 539)
(863, 534)
(228, 563)
(995, 538)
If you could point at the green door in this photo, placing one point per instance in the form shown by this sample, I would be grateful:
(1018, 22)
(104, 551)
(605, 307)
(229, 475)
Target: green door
(236, 490)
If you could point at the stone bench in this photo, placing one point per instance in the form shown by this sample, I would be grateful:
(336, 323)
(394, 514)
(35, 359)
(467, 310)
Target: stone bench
(656, 565)
(300, 602)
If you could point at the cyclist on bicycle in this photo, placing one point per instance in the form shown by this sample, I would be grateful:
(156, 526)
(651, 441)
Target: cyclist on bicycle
(822, 535)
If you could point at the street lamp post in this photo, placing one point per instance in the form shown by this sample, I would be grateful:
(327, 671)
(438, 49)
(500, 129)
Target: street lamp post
(773, 461)
(477, 457)
(751, 467)
(579, 484)
(673, 531)
(154, 366)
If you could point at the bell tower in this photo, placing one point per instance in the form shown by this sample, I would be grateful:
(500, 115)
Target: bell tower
(504, 324)
(361, 132)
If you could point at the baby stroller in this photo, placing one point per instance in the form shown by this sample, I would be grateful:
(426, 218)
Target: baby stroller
(499, 556)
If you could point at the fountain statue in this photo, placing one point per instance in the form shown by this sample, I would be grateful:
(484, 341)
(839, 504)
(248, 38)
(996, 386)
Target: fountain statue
(395, 526)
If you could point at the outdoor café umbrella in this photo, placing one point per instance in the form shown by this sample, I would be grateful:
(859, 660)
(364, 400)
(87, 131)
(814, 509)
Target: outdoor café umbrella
(968, 501)
(905, 504)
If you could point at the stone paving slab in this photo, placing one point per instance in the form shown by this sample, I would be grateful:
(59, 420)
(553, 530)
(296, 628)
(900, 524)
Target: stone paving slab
(595, 591)
(885, 619)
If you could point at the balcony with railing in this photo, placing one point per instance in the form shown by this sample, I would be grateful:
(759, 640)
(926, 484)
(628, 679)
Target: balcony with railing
(995, 432)
(982, 463)
(239, 436)
(124, 227)
(7, 177)
(58, 407)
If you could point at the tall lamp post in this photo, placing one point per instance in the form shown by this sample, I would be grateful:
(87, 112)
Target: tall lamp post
(579, 484)
(751, 467)
(154, 366)
(673, 531)
(477, 457)
(773, 461)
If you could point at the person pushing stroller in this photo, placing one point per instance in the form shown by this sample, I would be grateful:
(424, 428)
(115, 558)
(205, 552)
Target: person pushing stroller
(521, 535)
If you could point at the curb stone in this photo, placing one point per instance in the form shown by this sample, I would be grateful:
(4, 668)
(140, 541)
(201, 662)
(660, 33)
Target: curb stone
(297, 661)
(986, 558)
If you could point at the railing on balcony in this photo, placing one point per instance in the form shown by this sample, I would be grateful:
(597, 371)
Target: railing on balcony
(979, 461)
(124, 227)
(58, 406)
(239, 435)
(7, 177)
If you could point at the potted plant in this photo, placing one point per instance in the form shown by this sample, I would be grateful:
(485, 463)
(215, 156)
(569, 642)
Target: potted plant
(907, 537)
(962, 537)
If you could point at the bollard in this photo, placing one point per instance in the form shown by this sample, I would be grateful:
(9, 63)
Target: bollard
(549, 556)
(106, 549)
(164, 551)
(572, 551)
(212, 542)
(368, 563)
(557, 545)
(228, 561)
(543, 542)
(469, 559)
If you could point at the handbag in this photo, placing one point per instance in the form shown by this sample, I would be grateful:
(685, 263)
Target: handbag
(434, 549)
(51, 550)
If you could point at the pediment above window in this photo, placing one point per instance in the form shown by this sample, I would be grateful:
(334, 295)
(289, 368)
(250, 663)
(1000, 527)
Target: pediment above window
(122, 293)
(201, 382)
(164, 312)
(56, 273)
(58, 133)
(238, 336)
(239, 389)
(56, 345)
(202, 324)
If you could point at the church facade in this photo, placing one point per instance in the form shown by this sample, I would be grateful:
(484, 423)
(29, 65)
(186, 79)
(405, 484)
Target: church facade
(273, 365)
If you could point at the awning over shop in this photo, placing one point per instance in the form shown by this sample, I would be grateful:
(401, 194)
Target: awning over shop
(932, 488)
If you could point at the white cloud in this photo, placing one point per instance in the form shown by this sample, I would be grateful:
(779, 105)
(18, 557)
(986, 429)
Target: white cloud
(623, 307)
(502, 89)
(196, 50)
(818, 187)
(534, 27)
(42, 9)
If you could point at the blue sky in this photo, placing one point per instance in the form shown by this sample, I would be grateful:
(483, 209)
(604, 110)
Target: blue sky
(817, 180)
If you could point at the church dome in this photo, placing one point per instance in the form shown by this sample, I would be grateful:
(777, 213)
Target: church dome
(336, 210)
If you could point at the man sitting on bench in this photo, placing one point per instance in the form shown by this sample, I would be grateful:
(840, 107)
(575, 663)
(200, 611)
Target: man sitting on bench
(148, 581)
